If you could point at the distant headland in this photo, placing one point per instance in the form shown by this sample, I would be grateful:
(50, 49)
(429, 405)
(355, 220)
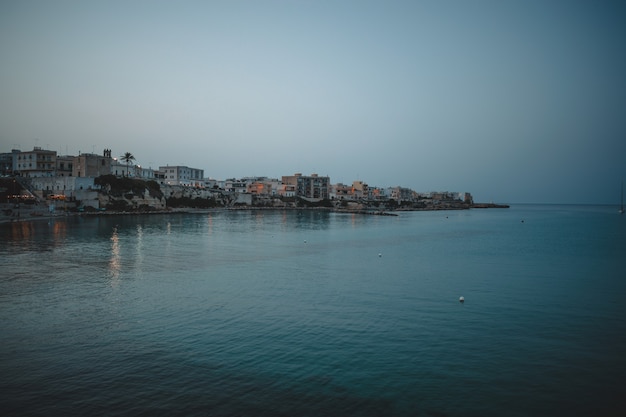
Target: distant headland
(41, 183)
(31, 198)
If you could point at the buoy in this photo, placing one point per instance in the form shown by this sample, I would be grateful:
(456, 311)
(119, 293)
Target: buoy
(380, 255)
(461, 299)
(305, 241)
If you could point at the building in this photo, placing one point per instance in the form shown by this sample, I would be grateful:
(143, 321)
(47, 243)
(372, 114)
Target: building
(341, 191)
(182, 175)
(122, 169)
(286, 190)
(62, 185)
(263, 186)
(376, 193)
(314, 186)
(92, 165)
(258, 188)
(357, 191)
(65, 166)
(360, 190)
(275, 185)
(145, 173)
(233, 185)
(401, 194)
(467, 198)
(211, 183)
(36, 163)
(8, 162)
(446, 196)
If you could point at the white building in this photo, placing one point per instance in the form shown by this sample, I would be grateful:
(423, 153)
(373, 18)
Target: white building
(211, 183)
(121, 169)
(59, 185)
(145, 173)
(182, 175)
(36, 163)
(233, 185)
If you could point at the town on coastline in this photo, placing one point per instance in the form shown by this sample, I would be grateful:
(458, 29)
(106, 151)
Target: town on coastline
(41, 183)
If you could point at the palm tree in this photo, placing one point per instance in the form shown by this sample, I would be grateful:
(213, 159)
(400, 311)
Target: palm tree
(128, 158)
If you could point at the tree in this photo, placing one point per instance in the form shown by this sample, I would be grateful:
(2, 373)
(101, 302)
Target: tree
(128, 158)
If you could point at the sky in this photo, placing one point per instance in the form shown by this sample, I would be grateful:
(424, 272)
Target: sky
(513, 101)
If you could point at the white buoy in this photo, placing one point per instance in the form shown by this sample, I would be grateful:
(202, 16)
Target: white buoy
(461, 299)
(380, 255)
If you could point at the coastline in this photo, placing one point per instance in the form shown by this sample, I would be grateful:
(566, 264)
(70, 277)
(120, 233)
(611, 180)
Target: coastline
(27, 215)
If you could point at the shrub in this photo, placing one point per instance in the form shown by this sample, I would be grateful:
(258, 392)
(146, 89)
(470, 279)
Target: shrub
(118, 205)
(197, 202)
(124, 185)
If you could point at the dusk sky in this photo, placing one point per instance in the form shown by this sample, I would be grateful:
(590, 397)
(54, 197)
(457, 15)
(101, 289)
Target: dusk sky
(514, 101)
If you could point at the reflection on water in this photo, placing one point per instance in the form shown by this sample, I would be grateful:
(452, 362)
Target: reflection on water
(114, 262)
(22, 230)
(59, 231)
(210, 224)
(34, 235)
(139, 252)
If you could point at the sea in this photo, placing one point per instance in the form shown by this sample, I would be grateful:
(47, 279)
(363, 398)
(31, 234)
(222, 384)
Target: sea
(315, 313)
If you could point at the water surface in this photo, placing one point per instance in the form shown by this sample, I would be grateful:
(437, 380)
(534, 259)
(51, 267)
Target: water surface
(306, 313)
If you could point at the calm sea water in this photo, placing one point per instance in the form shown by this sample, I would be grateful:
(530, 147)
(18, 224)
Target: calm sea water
(270, 313)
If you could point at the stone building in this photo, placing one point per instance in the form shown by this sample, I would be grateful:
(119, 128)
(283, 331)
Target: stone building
(92, 165)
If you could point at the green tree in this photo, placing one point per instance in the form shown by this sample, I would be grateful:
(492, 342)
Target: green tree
(128, 158)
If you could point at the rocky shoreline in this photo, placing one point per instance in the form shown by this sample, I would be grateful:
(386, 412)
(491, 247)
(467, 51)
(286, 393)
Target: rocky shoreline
(34, 213)
(489, 205)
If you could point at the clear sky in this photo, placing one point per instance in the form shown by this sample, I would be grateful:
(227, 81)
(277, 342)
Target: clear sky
(514, 101)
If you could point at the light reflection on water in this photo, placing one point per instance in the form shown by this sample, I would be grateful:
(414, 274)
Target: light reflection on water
(139, 248)
(114, 263)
